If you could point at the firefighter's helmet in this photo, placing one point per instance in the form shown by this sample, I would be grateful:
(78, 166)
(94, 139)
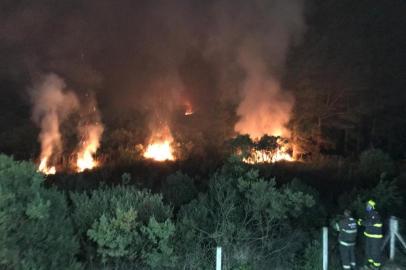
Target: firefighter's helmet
(371, 205)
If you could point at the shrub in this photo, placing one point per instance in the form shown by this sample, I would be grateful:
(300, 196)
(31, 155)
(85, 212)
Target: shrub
(247, 215)
(312, 257)
(35, 230)
(179, 189)
(374, 164)
(123, 225)
(385, 193)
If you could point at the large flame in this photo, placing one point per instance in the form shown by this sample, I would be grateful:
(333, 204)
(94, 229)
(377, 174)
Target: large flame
(282, 152)
(51, 106)
(44, 168)
(90, 144)
(160, 146)
(86, 160)
(159, 151)
(265, 108)
(263, 156)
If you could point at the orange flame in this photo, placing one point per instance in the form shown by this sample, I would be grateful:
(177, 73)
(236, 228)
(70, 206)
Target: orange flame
(160, 146)
(85, 156)
(189, 108)
(159, 151)
(281, 153)
(85, 160)
(262, 156)
(44, 168)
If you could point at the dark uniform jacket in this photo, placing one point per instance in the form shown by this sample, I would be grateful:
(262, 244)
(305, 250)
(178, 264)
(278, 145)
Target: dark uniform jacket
(373, 225)
(347, 228)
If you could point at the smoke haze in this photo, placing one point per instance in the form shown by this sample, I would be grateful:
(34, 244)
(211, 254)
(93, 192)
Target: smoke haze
(51, 106)
(224, 58)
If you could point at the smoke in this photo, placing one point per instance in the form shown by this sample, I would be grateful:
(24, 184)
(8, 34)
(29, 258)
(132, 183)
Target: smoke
(151, 59)
(90, 130)
(259, 37)
(51, 106)
(265, 108)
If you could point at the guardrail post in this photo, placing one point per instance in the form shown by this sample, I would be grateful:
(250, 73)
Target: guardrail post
(325, 248)
(218, 258)
(393, 228)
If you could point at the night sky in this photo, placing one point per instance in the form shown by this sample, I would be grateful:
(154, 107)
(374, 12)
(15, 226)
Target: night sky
(236, 62)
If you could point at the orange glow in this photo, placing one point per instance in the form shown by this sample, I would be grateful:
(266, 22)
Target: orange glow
(44, 168)
(262, 156)
(281, 153)
(159, 151)
(160, 146)
(91, 142)
(85, 160)
(189, 109)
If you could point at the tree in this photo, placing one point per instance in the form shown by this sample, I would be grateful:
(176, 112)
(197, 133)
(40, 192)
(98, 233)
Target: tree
(247, 215)
(374, 163)
(179, 189)
(35, 229)
(124, 227)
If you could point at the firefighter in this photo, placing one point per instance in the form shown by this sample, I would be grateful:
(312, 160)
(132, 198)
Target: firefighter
(347, 228)
(373, 236)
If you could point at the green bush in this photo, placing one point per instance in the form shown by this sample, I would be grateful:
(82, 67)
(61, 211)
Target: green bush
(375, 164)
(246, 215)
(123, 225)
(35, 230)
(312, 257)
(386, 195)
(179, 189)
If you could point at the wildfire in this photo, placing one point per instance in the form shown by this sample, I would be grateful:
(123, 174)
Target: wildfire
(160, 147)
(91, 142)
(85, 161)
(189, 109)
(262, 156)
(281, 152)
(159, 151)
(44, 168)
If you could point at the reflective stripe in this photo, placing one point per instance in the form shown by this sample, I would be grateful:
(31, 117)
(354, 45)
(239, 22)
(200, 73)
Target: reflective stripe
(373, 235)
(349, 231)
(353, 264)
(346, 244)
(346, 267)
(377, 264)
(370, 260)
(359, 222)
(379, 225)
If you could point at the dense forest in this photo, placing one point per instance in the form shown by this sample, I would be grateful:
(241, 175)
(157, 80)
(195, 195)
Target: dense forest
(336, 70)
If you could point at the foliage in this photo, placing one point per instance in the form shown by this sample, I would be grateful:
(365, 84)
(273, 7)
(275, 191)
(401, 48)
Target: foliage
(312, 257)
(128, 226)
(316, 214)
(35, 230)
(374, 163)
(241, 145)
(179, 189)
(385, 193)
(90, 207)
(244, 214)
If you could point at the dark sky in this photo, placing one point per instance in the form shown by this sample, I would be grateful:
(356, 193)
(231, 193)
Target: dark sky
(151, 57)
(144, 50)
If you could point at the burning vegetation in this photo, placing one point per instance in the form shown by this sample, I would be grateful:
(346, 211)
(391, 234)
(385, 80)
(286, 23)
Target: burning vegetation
(267, 149)
(189, 109)
(52, 105)
(160, 146)
(90, 131)
(89, 146)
